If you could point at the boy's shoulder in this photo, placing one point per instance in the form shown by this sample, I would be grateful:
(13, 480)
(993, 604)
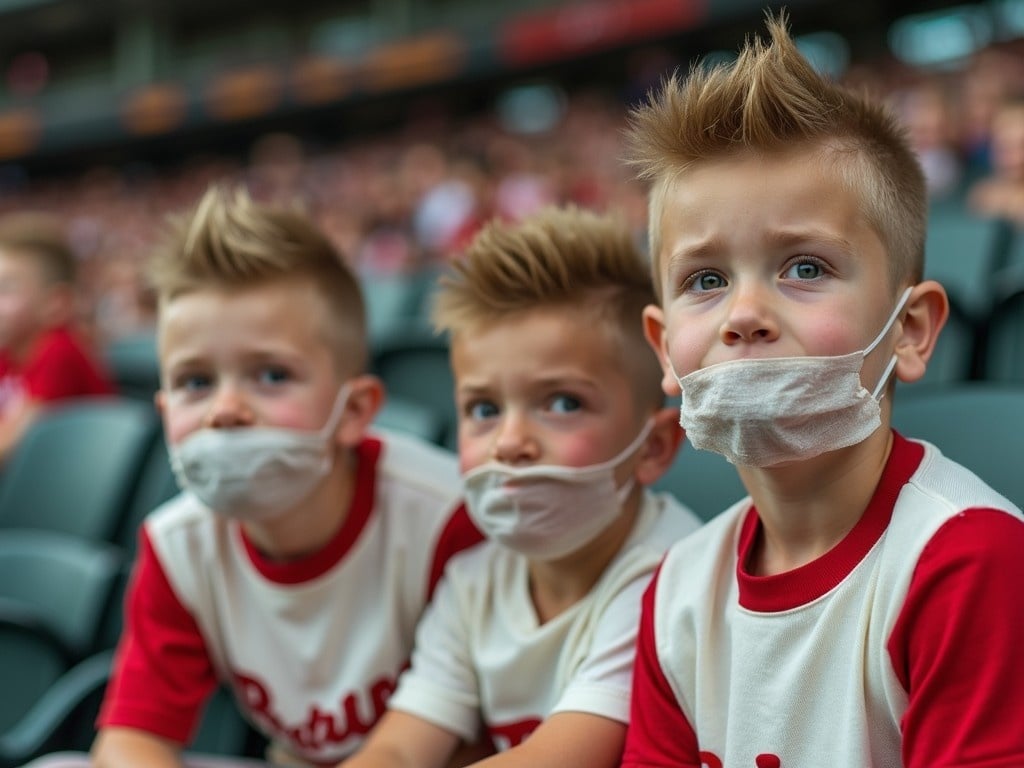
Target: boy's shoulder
(409, 464)
(947, 487)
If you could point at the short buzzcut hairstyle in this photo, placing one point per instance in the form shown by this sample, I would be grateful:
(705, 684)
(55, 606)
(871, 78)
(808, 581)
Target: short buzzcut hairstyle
(562, 257)
(42, 238)
(771, 100)
(228, 241)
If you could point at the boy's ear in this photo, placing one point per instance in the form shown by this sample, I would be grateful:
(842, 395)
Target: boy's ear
(927, 310)
(654, 332)
(661, 447)
(366, 396)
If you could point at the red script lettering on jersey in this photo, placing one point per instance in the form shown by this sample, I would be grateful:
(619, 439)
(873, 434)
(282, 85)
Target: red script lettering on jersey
(357, 713)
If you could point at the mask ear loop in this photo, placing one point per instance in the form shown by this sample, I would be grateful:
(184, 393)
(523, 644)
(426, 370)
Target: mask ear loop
(334, 418)
(877, 394)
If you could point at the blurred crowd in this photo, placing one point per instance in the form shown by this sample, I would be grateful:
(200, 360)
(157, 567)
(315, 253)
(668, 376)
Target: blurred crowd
(405, 200)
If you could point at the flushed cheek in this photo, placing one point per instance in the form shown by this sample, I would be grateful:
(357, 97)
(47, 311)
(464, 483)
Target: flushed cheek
(472, 453)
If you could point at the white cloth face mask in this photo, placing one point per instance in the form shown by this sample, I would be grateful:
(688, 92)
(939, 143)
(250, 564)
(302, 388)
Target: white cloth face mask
(547, 511)
(256, 473)
(767, 411)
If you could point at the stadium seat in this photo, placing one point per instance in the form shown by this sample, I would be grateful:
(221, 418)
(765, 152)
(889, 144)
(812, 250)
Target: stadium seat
(962, 251)
(61, 585)
(56, 594)
(704, 481)
(133, 365)
(62, 717)
(401, 415)
(978, 424)
(412, 361)
(1004, 339)
(76, 468)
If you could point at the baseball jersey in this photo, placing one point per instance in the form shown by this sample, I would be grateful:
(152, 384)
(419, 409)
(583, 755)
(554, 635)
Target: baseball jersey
(311, 648)
(55, 369)
(482, 656)
(900, 646)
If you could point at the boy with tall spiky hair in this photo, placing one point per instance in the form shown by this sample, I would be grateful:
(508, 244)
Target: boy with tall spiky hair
(530, 639)
(862, 607)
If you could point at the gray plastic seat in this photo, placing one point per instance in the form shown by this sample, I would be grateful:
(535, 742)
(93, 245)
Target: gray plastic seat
(978, 424)
(76, 468)
(704, 481)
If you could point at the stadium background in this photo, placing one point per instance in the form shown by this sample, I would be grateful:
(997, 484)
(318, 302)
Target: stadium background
(402, 125)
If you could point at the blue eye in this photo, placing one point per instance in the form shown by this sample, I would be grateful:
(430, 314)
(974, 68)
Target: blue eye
(565, 404)
(805, 270)
(705, 281)
(274, 375)
(480, 410)
(192, 382)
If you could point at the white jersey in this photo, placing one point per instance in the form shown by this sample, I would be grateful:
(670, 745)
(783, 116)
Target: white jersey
(891, 649)
(482, 656)
(312, 649)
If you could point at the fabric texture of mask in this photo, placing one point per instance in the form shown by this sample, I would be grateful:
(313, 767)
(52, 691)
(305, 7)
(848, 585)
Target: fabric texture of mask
(767, 411)
(547, 511)
(255, 473)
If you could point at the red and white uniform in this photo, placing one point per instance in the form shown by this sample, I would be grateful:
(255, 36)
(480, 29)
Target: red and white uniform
(482, 656)
(56, 368)
(312, 648)
(901, 646)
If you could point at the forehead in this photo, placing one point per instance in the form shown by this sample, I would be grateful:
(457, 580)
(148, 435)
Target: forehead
(290, 310)
(538, 342)
(803, 189)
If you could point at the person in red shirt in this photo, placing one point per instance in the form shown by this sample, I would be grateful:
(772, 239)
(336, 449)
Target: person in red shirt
(41, 360)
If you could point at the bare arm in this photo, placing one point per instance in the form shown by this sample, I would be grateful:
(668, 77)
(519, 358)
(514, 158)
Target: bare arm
(130, 748)
(401, 740)
(566, 740)
(15, 424)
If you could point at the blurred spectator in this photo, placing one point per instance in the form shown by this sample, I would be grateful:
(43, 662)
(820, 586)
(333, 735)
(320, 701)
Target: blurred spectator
(41, 360)
(1001, 194)
(926, 111)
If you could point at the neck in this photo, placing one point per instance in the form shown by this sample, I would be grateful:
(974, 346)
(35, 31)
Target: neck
(309, 526)
(807, 508)
(557, 585)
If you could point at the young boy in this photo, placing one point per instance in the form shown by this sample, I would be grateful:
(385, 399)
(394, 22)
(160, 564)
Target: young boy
(561, 426)
(41, 360)
(865, 608)
(296, 564)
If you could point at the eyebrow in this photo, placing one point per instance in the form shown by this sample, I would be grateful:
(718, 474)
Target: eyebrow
(783, 238)
(711, 247)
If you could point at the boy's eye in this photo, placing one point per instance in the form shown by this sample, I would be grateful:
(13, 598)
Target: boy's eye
(192, 382)
(804, 270)
(480, 410)
(274, 375)
(565, 404)
(705, 281)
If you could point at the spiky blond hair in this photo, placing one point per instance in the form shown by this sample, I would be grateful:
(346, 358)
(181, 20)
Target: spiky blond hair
(564, 258)
(771, 100)
(228, 241)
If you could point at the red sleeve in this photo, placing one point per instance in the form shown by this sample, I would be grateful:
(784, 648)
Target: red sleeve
(957, 646)
(162, 673)
(60, 369)
(659, 735)
(459, 533)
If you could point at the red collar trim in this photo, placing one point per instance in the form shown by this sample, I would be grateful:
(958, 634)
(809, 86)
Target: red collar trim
(807, 583)
(318, 563)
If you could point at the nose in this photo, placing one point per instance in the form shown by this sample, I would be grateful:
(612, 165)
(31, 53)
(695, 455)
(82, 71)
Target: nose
(749, 316)
(229, 408)
(514, 442)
